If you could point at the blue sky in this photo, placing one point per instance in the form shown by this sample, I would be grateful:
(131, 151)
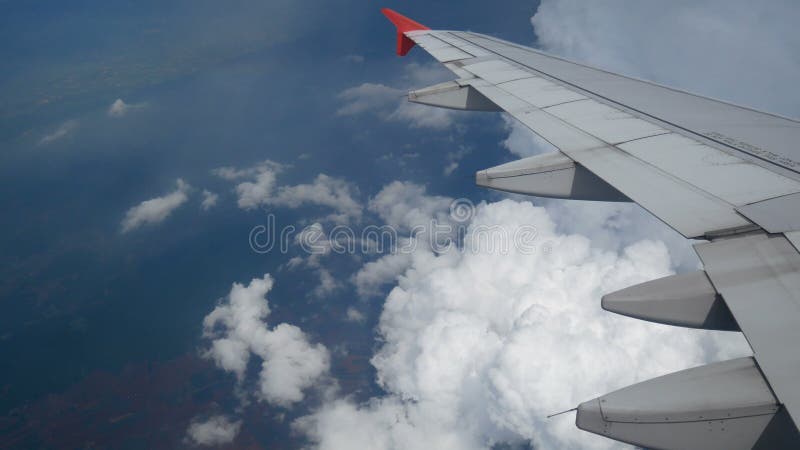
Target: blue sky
(315, 88)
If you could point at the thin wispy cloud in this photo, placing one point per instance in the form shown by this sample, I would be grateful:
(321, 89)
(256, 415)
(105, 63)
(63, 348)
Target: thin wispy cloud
(390, 103)
(63, 130)
(155, 210)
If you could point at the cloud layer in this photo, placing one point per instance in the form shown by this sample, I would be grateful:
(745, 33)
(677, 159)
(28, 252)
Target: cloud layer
(479, 345)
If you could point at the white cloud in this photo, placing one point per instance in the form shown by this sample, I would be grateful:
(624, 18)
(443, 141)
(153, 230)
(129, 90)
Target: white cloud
(315, 243)
(404, 205)
(216, 430)
(237, 329)
(334, 193)
(454, 159)
(479, 346)
(120, 109)
(374, 274)
(368, 97)
(254, 192)
(209, 200)
(354, 315)
(613, 226)
(391, 104)
(61, 132)
(155, 210)
(262, 189)
(233, 174)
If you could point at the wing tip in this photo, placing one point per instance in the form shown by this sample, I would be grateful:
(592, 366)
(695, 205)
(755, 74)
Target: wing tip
(403, 25)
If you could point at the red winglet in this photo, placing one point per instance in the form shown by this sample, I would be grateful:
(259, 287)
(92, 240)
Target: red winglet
(403, 25)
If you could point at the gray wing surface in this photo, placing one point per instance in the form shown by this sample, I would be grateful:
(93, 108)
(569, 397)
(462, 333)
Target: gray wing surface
(711, 170)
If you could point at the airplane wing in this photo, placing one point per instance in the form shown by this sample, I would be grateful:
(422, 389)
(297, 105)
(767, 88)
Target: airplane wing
(711, 170)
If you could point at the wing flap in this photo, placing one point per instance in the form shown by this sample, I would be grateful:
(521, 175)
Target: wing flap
(776, 215)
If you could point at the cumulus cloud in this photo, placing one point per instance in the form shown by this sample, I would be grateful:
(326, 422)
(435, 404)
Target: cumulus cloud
(375, 274)
(479, 344)
(59, 133)
(405, 205)
(209, 200)
(613, 226)
(262, 189)
(252, 193)
(237, 330)
(334, 193)
(216, 430)
(155, 210)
